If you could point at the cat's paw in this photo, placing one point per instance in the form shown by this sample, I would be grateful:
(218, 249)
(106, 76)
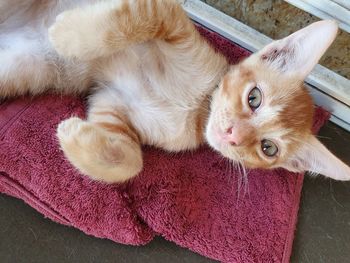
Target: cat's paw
(101, 155)
(69, 127)
(64, 36)
(73, 36)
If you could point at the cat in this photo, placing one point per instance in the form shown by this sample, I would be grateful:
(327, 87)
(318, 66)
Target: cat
(153, 80)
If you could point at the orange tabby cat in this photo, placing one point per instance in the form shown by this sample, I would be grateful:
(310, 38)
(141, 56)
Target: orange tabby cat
(154, 80)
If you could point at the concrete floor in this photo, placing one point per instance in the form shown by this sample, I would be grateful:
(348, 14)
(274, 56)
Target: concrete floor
(323, 232)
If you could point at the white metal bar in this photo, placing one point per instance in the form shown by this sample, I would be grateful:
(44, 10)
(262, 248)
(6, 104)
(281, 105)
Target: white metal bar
(338, 10)
(225, 25)
(340, 112)
(340, 123)
(343, 3)
(331, 83)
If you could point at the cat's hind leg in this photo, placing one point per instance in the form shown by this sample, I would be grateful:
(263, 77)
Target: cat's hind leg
(24, 65)
(104, 147)
(106, 27)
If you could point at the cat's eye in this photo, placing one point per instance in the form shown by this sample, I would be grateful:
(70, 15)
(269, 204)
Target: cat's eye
(269, 148)
(254, 98)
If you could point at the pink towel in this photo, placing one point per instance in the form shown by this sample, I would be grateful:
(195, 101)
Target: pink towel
(194, 199)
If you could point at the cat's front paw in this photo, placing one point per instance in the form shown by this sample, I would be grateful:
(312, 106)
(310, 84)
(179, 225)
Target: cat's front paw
(73, 35)
(101, 155)
(68, 128)
(64, 36)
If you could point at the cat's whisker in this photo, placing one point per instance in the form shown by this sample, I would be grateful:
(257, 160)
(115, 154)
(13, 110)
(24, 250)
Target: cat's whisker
(245, 177)
(242, 178)
(239, 179)
(230, 172)
(227, 170)
(324, 137)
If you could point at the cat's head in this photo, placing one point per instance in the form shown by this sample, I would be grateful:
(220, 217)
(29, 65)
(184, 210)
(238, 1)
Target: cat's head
(261, 114)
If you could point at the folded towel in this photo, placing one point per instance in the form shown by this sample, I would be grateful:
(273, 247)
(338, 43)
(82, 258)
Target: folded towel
(193, 198)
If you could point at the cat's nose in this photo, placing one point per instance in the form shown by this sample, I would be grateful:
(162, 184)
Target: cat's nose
(231, 136)
(236, 135)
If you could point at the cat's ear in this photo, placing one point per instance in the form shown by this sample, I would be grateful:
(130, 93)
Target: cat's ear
(298, 53)
(313, 156)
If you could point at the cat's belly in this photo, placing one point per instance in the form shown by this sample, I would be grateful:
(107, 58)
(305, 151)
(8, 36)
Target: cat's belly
(160, 122)
(167, 127)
